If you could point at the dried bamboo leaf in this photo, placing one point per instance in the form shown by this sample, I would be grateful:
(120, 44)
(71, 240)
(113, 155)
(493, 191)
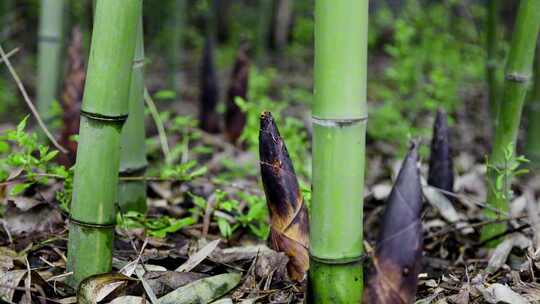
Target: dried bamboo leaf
(198, 257)
(128, 300)
(288, 213)
(95, 288)
(163, 282)
(441, 168)
(397, 259)
(499, 293)
(235, 119)
(209, 94)
(9, 281)
(72, 96)
(203, 290)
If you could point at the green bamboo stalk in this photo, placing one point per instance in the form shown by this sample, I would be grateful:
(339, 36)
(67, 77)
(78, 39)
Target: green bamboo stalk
(104, 111)
(132, 193)
(49, 50)
(518, 74)
(176, 24)
(492, 78)
(339, 126)
(532, 145)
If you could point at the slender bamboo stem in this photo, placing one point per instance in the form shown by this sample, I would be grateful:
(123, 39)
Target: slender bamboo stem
(518, 74)
(492, 78)
(132, 194)
(176, 24)
(104, 111)
(49, 50)
(339, 126)
(532, 146)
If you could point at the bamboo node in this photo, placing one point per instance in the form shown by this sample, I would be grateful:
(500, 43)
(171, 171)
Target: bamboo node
(516, 77)
(91, 225)
(339, 122)
(105, 118)
(49, 38)
(338, 261)
(136, 171)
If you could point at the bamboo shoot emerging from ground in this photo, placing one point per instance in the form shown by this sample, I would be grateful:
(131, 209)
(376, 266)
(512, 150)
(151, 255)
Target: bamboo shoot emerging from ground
(532, 146)
(209, 92)
(339, 126)
(235, 119)
(441, 168)
(132, 193)
(492, 78)
(518, 74)
(49, 51)
(288, 213)
(72, 95)
(104, 111)
(398, 254)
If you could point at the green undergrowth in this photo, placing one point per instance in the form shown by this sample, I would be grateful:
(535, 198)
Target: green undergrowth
(433, 59)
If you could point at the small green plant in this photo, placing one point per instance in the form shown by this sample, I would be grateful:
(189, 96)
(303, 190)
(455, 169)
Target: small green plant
(155, 227)
(25, 157)
(292, 129)
(513, 167)
(232, 212)
(22, 157)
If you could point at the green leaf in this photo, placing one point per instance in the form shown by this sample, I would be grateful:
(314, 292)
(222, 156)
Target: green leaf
(19, 188)
(165, 94)
(22, 125)
(4, 146)
(224, 227)
(50, 156)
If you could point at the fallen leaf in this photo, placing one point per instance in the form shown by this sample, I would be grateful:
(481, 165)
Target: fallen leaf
(198, 257)
(203, 290)
(9, 281)
(95, 288)
(499, 293)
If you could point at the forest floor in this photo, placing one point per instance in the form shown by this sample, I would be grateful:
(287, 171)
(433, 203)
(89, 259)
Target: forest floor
(457, 267)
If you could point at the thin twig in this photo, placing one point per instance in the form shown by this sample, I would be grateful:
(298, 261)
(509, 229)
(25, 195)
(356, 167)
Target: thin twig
(9, 54)
(159, 124)
(29, 102)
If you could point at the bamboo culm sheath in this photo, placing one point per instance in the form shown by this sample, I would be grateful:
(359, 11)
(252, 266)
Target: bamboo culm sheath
(132, 194)
(104, 111)
(289, 220)
(339, 126)
(49, 50)
(518, 74)
(441, 168)
(398, 254)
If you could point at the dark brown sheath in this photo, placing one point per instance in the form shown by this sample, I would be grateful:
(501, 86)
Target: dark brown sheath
(441, 168)
(209, 91)
(235, 119)
(72, 95)
(288, 213)
(398, 254)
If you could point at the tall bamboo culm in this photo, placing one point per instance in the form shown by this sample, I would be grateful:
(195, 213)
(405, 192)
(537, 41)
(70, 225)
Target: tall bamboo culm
(176, 24)
(532, 145)
(518, 75)
(132, 193)
(49, 53)
(339, 126)
(104, 111)
(492, 78)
